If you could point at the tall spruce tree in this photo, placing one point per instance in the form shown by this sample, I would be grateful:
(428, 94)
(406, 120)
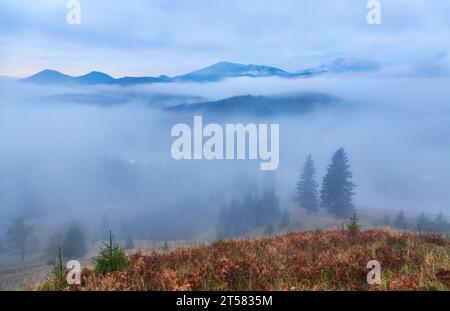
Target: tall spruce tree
(386, 220)
(306, 189)
(75, 243)
(423, 222)
(19, 237)
(337, 187)
(400, 221)
(440, 224)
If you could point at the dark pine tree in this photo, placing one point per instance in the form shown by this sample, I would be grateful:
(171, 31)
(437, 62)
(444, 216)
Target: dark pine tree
(440, 224)
(19, 237)
(129, 243)
(386, 220)
(337, 187)
(423, 223)
(74, 245)
(306, 190)
(269, 208)
(285, 219)
(400, 221)
(243, 217)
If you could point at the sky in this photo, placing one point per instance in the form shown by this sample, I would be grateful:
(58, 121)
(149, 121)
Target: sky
(156, 37)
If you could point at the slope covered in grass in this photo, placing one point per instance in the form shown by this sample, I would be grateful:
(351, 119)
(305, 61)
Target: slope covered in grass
(312, 260)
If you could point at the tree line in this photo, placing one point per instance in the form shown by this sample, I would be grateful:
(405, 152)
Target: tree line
(423, 223)
(72, 242)
(242, 217)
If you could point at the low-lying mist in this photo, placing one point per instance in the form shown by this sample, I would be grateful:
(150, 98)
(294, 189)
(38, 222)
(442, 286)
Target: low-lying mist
(110, 166)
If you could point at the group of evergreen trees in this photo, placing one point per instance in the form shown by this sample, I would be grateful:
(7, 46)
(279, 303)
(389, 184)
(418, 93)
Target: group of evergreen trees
(253, 212)
(398, 222)
(423, 223)
(21, 238)
(337, 188)
(335, 197)
(437, 225)
(73, 244)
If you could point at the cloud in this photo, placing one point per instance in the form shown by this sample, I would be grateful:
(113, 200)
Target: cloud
(153, 37)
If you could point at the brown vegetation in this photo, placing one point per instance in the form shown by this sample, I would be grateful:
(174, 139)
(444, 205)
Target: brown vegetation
(312, 260)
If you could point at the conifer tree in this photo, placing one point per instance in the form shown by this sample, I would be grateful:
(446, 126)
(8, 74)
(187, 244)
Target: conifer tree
(285, 219)
(74, 243)
(423, 222)
(440, 223)
(337, 187)
(306, 190)
(19, 237)
(386, 220)
(400, 221)
(129, 243)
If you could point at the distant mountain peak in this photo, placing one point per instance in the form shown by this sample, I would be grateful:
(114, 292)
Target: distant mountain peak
(352, 64)
(343, 65)
(95, 77)
(97, 73)
(225, 64)
(49, 76)
(225, 69)
(49, 71)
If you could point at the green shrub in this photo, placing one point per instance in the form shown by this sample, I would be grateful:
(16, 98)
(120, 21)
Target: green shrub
(353, 226)
(56, 281)
(111, 258)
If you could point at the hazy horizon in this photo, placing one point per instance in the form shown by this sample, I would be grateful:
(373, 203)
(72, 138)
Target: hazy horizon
(148, 38)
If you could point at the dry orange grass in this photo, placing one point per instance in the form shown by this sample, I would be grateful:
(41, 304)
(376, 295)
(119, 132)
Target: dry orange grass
(312, 260)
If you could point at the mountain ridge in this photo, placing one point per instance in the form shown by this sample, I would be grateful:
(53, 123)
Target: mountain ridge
(215, 72)
(261, 105)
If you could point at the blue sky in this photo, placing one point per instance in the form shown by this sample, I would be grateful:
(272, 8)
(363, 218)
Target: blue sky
(137, 37)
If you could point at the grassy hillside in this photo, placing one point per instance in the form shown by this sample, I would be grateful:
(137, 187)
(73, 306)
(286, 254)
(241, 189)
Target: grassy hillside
(311, 260)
